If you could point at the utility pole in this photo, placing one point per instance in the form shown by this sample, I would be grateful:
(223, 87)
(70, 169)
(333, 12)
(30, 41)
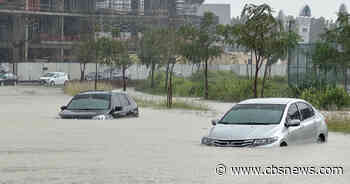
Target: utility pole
(289, 52)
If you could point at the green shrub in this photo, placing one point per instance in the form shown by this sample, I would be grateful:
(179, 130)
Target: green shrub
(232, 90)
(223, 86)
(329, 98)
(74, 87)
(312, 96)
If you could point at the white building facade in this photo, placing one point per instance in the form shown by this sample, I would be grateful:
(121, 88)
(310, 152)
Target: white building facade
(304, 24)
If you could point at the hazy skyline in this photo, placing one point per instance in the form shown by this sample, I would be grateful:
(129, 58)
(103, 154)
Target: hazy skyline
(319, 8)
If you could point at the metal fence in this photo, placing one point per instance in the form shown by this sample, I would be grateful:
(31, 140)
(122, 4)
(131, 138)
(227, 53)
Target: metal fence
(303, 72)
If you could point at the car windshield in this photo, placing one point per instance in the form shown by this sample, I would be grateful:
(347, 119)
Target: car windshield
(254, 114)
(49, 75)
(90, 102)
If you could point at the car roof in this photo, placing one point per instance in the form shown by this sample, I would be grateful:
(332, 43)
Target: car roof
(283, 101)
(94, 92)
(102, 92)
(56, 72)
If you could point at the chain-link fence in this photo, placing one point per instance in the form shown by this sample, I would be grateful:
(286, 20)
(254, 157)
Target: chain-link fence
(303, 72)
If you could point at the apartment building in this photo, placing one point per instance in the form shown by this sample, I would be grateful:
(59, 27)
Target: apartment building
(41, 30)
(46, 30)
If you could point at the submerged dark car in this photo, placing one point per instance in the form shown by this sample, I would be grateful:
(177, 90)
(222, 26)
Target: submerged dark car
(8, 79)
(100, 105)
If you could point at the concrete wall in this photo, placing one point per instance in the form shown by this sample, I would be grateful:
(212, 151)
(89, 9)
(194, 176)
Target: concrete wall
(32, 71)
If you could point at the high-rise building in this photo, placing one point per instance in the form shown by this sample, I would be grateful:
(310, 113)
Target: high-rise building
(222, 11)
(343, 8)
(171, 7)
(119, 5)
(304, 24)
(46, 30)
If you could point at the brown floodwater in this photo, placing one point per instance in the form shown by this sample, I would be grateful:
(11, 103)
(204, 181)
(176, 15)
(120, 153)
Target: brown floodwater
(162, 146)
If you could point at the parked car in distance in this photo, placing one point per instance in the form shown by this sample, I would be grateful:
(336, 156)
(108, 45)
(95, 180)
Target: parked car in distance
(54, 78)
(114, 74)
(8, 79)
(92, 76)
(100, 105)
(268, 122)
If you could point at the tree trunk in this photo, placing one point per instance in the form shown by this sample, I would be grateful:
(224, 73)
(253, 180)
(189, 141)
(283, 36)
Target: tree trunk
(256, 77)
(248, 75)
(124, 79)
(166, 76)
(346, 78)
(264, 79)
(198, 67)
(82, 71)
(96, 76)
(206, 89)
(170, 87)
(110, 73)
(152, 75)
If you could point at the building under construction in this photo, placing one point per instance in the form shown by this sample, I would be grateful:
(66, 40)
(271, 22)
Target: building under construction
(46, 30)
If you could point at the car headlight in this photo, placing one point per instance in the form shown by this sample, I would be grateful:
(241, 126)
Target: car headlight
(261, 142)
(102, 117)
(206, 141)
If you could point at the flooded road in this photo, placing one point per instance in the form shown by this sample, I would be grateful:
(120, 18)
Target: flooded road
(159, 147)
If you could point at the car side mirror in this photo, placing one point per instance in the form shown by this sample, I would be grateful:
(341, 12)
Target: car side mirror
(64, 108)
(293, 123)
(214, 122)
(118, 108)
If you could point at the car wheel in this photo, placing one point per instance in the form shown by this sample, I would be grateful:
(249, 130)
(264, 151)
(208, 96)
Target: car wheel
(52, 83)
(136, 113)
(321, 139)
(283, 144)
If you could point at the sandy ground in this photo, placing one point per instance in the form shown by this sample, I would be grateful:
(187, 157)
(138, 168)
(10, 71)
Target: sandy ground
(159, 147)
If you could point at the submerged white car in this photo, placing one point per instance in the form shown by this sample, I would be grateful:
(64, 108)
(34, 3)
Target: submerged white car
(268, 122)
(54, 78)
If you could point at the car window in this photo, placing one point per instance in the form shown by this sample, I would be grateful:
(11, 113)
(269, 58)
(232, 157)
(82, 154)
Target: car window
(254, 114)
(48, 75)
(293, 112)
(90, 102)
(116, 100)
(305, 110)
(131, 101)
(121, 100)
(124, 100)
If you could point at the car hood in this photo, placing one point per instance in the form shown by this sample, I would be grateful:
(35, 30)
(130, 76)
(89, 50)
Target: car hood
(82, 114)
(242, 132)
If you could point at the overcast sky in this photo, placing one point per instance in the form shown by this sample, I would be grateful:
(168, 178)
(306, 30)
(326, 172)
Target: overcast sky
(324, 8)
